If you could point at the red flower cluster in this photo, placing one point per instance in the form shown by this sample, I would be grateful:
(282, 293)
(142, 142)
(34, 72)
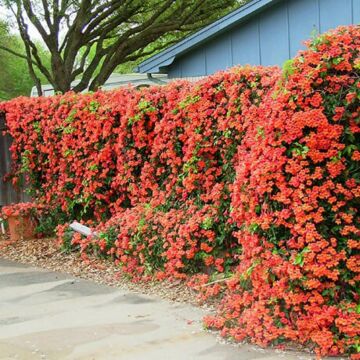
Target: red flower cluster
(251, 170)
(20, 209)
(296, 200)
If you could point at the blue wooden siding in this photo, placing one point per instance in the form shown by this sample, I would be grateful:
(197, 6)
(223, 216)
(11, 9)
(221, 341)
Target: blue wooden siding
(303, 20)
(334, 13)
(356, 12)
(194, 63)
(221, 45)
(245, 43)
(267, 38)
(274, 35)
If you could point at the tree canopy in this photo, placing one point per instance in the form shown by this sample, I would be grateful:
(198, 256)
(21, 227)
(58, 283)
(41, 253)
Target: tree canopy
(89, 39)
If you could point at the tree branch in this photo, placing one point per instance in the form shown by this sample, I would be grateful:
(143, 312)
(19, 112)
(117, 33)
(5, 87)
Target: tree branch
(101, 34)
(25, 36)
(30, 47)
(35, 21)
(15, 53)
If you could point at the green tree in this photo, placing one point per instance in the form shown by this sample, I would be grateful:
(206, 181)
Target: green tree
(89, 39)
(15, 79)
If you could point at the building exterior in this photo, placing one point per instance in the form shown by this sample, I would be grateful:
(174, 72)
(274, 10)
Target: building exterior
(115, 81)
(262, 32)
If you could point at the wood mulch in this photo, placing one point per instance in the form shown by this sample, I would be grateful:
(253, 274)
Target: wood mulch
(44, 253)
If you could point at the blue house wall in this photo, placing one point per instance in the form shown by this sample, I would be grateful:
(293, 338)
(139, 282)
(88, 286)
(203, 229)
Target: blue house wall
(268, 37)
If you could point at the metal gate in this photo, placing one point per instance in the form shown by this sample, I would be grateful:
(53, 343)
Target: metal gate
(8, 194)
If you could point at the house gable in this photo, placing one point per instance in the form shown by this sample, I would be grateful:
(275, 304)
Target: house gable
(263, 32)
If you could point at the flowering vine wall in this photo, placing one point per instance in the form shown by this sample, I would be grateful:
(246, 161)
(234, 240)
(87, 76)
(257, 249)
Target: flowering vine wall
(253, 172)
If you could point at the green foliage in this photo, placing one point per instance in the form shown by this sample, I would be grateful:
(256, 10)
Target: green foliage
(15, 79)
(288, 68)
(48, 221)
(66, 245)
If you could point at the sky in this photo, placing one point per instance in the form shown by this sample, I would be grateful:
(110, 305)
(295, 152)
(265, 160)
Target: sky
(6, 15)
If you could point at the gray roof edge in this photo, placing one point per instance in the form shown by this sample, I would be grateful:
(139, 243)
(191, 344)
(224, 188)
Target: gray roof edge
(156, 61)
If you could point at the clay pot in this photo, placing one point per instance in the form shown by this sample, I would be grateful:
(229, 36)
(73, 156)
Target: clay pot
(21, 228)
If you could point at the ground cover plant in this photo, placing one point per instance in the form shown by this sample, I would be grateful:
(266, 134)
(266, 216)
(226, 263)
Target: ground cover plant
(252, 173)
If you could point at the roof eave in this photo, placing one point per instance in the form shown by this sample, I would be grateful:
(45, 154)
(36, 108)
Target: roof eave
(167, 56)
(157, 68)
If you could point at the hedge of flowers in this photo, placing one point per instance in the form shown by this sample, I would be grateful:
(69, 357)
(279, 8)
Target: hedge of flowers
(296, 200)
(252, 172)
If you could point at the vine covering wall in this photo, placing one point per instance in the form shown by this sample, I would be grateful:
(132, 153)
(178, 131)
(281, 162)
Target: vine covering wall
(253, 172)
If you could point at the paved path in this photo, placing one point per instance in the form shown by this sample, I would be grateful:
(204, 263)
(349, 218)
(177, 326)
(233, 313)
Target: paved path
(47, 315)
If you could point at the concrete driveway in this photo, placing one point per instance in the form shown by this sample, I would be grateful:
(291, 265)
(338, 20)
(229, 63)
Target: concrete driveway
(48, 315)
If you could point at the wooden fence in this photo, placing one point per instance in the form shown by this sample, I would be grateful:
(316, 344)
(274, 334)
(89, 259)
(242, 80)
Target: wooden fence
(8, 194)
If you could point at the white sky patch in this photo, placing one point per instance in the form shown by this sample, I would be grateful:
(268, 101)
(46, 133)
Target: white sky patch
(6, 15)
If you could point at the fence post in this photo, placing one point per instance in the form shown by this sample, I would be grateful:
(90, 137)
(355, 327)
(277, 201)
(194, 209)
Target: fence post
(8, 194)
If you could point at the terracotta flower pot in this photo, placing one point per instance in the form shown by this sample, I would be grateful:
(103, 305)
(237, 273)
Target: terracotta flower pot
(21, 228)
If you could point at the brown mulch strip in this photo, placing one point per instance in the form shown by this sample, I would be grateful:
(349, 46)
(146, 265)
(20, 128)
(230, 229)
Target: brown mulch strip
(44, 253)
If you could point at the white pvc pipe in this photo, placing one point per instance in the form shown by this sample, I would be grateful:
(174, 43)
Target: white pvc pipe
(82, 229)
(2, 226)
